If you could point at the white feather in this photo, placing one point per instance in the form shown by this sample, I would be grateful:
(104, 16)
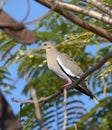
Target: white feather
(68, 71)
(78, 76)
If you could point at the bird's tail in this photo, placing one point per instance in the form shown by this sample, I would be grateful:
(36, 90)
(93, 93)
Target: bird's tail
(87, 92)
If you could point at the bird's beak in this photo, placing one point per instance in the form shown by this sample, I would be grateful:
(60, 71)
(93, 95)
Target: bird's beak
(41, 47)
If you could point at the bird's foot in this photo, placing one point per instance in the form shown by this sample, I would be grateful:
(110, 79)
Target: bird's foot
(64, 86)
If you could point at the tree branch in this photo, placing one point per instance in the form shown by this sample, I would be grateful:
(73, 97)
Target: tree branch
(82, 10)
(91, 27)
(33, 94)
(101, 5)
(73, 18)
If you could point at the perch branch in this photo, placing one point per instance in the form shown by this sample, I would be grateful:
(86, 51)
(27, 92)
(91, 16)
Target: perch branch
(96, 67)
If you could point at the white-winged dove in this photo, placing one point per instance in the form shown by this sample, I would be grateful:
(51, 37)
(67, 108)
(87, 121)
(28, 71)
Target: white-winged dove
(65, 68)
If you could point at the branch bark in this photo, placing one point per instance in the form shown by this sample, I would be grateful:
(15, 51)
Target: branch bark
(73, 18)
(101, 5)
(88, 12)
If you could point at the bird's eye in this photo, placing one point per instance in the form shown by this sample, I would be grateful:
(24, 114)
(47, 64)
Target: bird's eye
(45, 44)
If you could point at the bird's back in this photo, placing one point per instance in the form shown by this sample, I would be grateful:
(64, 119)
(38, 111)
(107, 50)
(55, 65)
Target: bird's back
(70, 64)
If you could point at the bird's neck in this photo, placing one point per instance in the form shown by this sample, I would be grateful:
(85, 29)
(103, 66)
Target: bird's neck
(52, 54)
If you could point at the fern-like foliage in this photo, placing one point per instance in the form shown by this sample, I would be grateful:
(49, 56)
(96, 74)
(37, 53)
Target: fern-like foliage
(5, 81)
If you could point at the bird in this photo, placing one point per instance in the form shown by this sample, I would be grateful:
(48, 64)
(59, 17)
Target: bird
(66, 68)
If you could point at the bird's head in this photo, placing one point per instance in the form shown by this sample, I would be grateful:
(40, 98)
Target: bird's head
(47, 46)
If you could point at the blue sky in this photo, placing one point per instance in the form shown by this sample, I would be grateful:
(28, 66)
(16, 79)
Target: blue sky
(18, 9)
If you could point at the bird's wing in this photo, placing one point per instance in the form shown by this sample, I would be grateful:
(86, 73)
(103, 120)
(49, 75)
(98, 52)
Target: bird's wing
(69, 66)
(71, 69)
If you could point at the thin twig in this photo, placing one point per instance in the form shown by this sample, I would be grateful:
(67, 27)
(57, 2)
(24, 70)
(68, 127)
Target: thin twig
(23, 102)
(38, 19)
(34, 96)
(28, 12)
(65, 109)
(2, 3)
